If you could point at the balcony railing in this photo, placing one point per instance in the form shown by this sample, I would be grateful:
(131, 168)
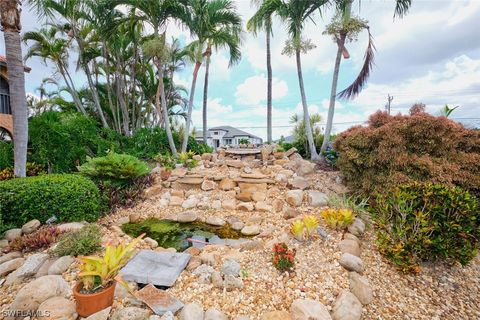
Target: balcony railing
(5, 104)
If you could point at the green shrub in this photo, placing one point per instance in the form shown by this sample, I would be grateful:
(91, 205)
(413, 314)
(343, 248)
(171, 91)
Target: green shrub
(80, 243)
(418, 222)
(68, 197)
(32, 170)
(6, 154)
(198, 147)
(166, 161)
(418, 147)
(118, 169)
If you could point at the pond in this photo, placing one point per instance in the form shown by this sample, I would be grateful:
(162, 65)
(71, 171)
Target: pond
(180, 235)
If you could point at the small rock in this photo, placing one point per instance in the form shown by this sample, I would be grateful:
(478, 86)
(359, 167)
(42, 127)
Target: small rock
(251, 245)
(215, 221)
(57, 308)
(134, 217)
(276, 315)
(290, 213)
(349, 246)
(192, 311)
(216, 204)
(10, 256)
(259, 196)
(130, 313)
(351, 262)
(70, 226)
(245, 206)
(208, 258)
(252, 230)
(322, 233)
(208, 185)
(61, 265)
(193, 251)
(217, 280)
(3, 243)
(361, 288)
(214, 314)
(238, 225)
(121, 292)
(227, 184)
(350, 236)
(31, 226)
(347, 307)
(100, 315)
(244, 196)
(305, 309)
(294, 197)
(194, 263)
(231, 267)
(151, 242)
(187, 216)
(231, 282)
(176, 201)
(158, 300)
(357, 228)
(299, 183)
(9, 266)
(13, 234)
(190, 203)
(317, 198)
(229, 204)
(262, 206)
(277, 205)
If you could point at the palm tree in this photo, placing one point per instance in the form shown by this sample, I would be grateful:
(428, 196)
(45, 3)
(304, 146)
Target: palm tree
(256, 23)
(214, 23)
(295, 13)
(49, 46)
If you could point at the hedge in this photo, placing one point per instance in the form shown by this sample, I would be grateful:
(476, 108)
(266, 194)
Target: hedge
(67, 197)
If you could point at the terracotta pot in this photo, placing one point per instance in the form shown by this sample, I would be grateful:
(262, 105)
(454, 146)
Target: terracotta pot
(88, 304)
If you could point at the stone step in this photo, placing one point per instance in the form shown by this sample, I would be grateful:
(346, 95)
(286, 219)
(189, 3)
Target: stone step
(190, 180)
(250, 180)
(254, 176)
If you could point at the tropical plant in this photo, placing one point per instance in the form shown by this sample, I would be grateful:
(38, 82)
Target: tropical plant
(39, 239)
(299, 133)
(263, 21)
(212, 23)
(338, 218)
(446, 111)
(243, 141)
(100, 272)
(186, 159)
(85, 241)
(358, 205)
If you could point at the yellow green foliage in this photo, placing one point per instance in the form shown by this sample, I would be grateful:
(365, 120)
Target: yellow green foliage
(338, 218)
(298, 229)
(311, 223)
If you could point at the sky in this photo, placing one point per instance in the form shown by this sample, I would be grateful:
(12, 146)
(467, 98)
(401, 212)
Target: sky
(432, 55)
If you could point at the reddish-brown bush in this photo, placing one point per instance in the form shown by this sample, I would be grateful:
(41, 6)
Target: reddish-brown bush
(392, 150)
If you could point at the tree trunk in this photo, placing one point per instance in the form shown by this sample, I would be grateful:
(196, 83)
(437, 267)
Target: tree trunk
(71, 87)
(161, 94)
(96, 98)
(269, 84)
(208, 54)
(306, 115)
(10, 21)
(333, 95)
(190, 106)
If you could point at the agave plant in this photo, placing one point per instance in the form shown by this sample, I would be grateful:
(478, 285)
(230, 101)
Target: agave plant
(100, 272)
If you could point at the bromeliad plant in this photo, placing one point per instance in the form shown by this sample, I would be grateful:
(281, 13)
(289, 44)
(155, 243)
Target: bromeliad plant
(97, 273)
(186, 159)
(338, 218)
(305, 228)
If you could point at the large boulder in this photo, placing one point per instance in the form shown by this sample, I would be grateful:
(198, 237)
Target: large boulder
(357, 228)
(307, 309)
(9, 266)
(361, 288)
(28, 269)
(61, 265)
(31, 226)
(57, 308)
(351, 262)
(347, 307)
(13, 234)
(294, 197)
(349, 246)
(36, 292)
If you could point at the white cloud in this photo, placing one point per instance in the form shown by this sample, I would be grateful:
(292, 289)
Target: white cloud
(254, 90)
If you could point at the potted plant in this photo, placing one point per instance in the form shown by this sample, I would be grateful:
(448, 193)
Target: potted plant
(98, 276)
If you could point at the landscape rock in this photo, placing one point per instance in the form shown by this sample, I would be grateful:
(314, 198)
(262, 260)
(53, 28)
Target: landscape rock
(234, 163)
(361, 288)
(215, 221)
(357, 228)
(31, 226)
(231, 282)
(190, 203)
(290, 151)
(227, 184)
(208, 258)
(194, 263)
(3, 243)
(294, 197)
(317, 198)
(43, 270)
(130, 313)
(11, 265)
(238, 225)
(217, 279)
(349, 246)
(71, 226)
(229, 204)
(276, 315)
(347, 307)
(187, 216)
(251, 230)
(245, 206)
(58, 308)
(299, 183)
(244, 196)
(351, 262)
(208, 185)
(13, 234)
(277, 205)
(290, 213)
(304, 167)
(176, 201)
(37, 291)
(259, 196)
(151, 242)
(262, 206)
(231, 267)
(158, 300)
(192, 311)
(216, 204)
(61, 265)
(214, 314)
(350, 236)
(100, 315)
(307, 309)
(29, 268)
(10, 256)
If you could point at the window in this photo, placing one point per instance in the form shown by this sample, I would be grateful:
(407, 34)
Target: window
(215, 133)
(228, 141)
(4, 97)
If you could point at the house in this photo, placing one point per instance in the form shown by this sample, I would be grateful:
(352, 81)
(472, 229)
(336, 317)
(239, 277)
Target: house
(6, 119)
(227, 136)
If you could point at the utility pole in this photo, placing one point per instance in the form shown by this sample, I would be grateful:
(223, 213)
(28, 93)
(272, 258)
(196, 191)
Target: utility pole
(389, 103)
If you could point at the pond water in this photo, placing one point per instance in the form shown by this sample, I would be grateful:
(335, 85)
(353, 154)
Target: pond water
(178, 235)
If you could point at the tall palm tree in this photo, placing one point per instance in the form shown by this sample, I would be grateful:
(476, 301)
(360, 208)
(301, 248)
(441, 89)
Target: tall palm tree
(295, 13)
(255, 24)
(213, 23)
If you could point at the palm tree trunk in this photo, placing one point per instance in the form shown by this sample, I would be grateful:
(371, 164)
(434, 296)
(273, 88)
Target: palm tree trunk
(161, 95)
(269, 83)
(205, 94)
(10, 21)
(96, 98)
(306, 115)
(190, 106)
(71, 86)
(333, 94)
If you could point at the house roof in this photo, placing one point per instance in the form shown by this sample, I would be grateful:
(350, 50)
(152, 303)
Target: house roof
(3, 62)
(231, 132)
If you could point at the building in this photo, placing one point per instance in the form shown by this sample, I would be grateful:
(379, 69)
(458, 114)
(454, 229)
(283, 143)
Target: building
(227, 136)
(6, 119)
